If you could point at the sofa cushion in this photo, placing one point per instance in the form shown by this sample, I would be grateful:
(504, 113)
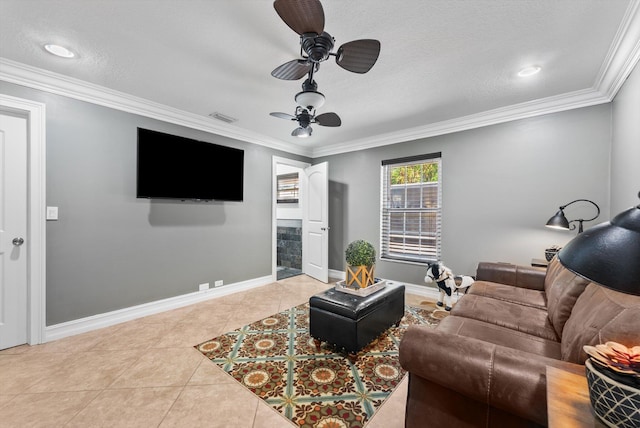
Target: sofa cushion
(515, 316)
(509, 293)
(600, 315)
(510, 274)
(499, 335)
(562, 288)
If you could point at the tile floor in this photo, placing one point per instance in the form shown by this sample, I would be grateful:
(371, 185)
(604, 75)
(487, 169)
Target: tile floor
(146, 373)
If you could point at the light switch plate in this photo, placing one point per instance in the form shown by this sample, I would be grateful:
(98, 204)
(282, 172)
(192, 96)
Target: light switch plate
(52, 213)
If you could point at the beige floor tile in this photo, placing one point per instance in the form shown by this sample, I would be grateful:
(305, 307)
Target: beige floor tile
(209, 373)
(160, 367)
(87, 371)
(231, 299)
(214, 406)
(290, 303)
(21, 371)
(211, 315)
(48, 409)
(77, 343)
(249, 315)
(170, 317)
(262, 299)
(5, 399)
(144, 407)
(189, 334)
(15, 350)
(133, 335)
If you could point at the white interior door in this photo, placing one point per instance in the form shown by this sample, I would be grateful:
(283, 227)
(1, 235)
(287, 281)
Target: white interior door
(315, 224)
(13, 230)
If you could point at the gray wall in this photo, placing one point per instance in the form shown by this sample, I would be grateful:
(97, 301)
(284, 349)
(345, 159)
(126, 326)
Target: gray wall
(110, 250)
(625, 150)
(501, 184)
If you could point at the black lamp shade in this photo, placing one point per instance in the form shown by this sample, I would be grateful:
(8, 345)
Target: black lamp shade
(609, 253)
(558, 221)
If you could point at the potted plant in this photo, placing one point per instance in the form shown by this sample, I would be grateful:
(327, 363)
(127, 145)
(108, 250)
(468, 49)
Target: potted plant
(361, 258)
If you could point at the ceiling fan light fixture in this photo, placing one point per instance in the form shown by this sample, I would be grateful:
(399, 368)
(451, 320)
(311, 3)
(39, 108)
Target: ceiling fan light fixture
(302, 132)
(310, 99)
(529, 71)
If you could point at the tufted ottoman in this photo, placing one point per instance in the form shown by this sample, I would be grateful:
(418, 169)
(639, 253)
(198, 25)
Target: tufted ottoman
(351, 322)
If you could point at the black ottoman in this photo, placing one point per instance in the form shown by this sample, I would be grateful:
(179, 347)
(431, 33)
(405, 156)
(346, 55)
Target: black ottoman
(351, 322)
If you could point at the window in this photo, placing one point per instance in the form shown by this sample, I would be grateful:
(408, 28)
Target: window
(288, 188)
(411, 214)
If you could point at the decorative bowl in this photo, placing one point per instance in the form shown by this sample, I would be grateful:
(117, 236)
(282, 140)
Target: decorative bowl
(549, 253)
(615, 403)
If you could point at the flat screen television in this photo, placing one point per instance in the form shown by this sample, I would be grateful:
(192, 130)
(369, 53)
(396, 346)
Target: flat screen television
(173, 167)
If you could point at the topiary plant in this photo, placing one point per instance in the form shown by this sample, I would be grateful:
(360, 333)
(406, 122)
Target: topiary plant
(360, 253)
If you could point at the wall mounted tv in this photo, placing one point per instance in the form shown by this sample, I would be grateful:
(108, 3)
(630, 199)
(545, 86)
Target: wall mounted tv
(172, 167)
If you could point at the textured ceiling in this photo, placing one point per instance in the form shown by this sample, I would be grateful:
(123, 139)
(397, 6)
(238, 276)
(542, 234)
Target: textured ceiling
(443, 63)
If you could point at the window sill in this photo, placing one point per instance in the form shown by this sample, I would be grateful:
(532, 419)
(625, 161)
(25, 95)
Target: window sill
(407, 262)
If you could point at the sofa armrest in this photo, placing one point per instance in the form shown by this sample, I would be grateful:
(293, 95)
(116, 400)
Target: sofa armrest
(508, 379)
(510, 274)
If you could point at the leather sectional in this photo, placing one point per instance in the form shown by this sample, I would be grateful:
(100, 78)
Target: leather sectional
(485, 364)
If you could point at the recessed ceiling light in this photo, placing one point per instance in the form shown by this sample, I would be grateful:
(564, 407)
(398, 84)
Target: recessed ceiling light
(60, 51)
(529, 71)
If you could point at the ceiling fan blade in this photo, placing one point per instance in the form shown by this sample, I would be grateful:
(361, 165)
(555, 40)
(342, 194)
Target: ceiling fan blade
(292, 70)
(302, 16)
(328, 119)
(358, 56)
(282, 115)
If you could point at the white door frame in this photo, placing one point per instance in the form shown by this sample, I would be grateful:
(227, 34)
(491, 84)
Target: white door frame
(275, 160)
(35, 113)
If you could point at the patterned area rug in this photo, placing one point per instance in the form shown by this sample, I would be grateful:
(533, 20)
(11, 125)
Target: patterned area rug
(277, 360)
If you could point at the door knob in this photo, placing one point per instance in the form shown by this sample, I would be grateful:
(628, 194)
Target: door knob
(18, 241)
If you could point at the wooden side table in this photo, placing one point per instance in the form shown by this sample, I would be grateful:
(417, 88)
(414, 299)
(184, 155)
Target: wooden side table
(568, 404)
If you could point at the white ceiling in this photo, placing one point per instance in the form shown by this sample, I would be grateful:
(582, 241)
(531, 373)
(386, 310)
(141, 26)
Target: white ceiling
(444, 65)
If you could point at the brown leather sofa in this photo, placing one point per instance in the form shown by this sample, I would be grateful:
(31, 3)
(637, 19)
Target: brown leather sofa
(485, 364)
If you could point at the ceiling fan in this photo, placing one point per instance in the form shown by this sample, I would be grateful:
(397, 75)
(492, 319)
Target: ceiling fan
(308, 101)
(306, 117)
(306, 17)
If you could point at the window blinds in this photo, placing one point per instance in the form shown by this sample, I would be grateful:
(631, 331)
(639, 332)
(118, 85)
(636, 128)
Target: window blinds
(411, 213)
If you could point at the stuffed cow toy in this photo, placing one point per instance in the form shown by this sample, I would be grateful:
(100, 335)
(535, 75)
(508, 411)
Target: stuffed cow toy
(447, 282)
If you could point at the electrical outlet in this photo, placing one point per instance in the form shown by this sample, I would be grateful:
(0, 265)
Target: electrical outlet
(218, 283)
(204, 286)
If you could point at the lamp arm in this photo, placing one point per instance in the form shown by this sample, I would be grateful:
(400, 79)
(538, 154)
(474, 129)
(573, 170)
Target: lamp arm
(583, 200)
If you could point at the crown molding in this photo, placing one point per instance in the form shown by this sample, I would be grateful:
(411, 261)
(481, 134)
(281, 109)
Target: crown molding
(582, 98)
(623, 55)
(36, 78)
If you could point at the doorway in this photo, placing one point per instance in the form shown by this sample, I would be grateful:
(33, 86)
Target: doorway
(311, 209)
(25, 243)
(288, 202)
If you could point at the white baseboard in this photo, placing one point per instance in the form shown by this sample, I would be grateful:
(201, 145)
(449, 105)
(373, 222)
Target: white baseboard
(107, 319)
(94, 322)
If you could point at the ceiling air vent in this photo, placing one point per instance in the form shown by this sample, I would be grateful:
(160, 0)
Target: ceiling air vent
(222, 117)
